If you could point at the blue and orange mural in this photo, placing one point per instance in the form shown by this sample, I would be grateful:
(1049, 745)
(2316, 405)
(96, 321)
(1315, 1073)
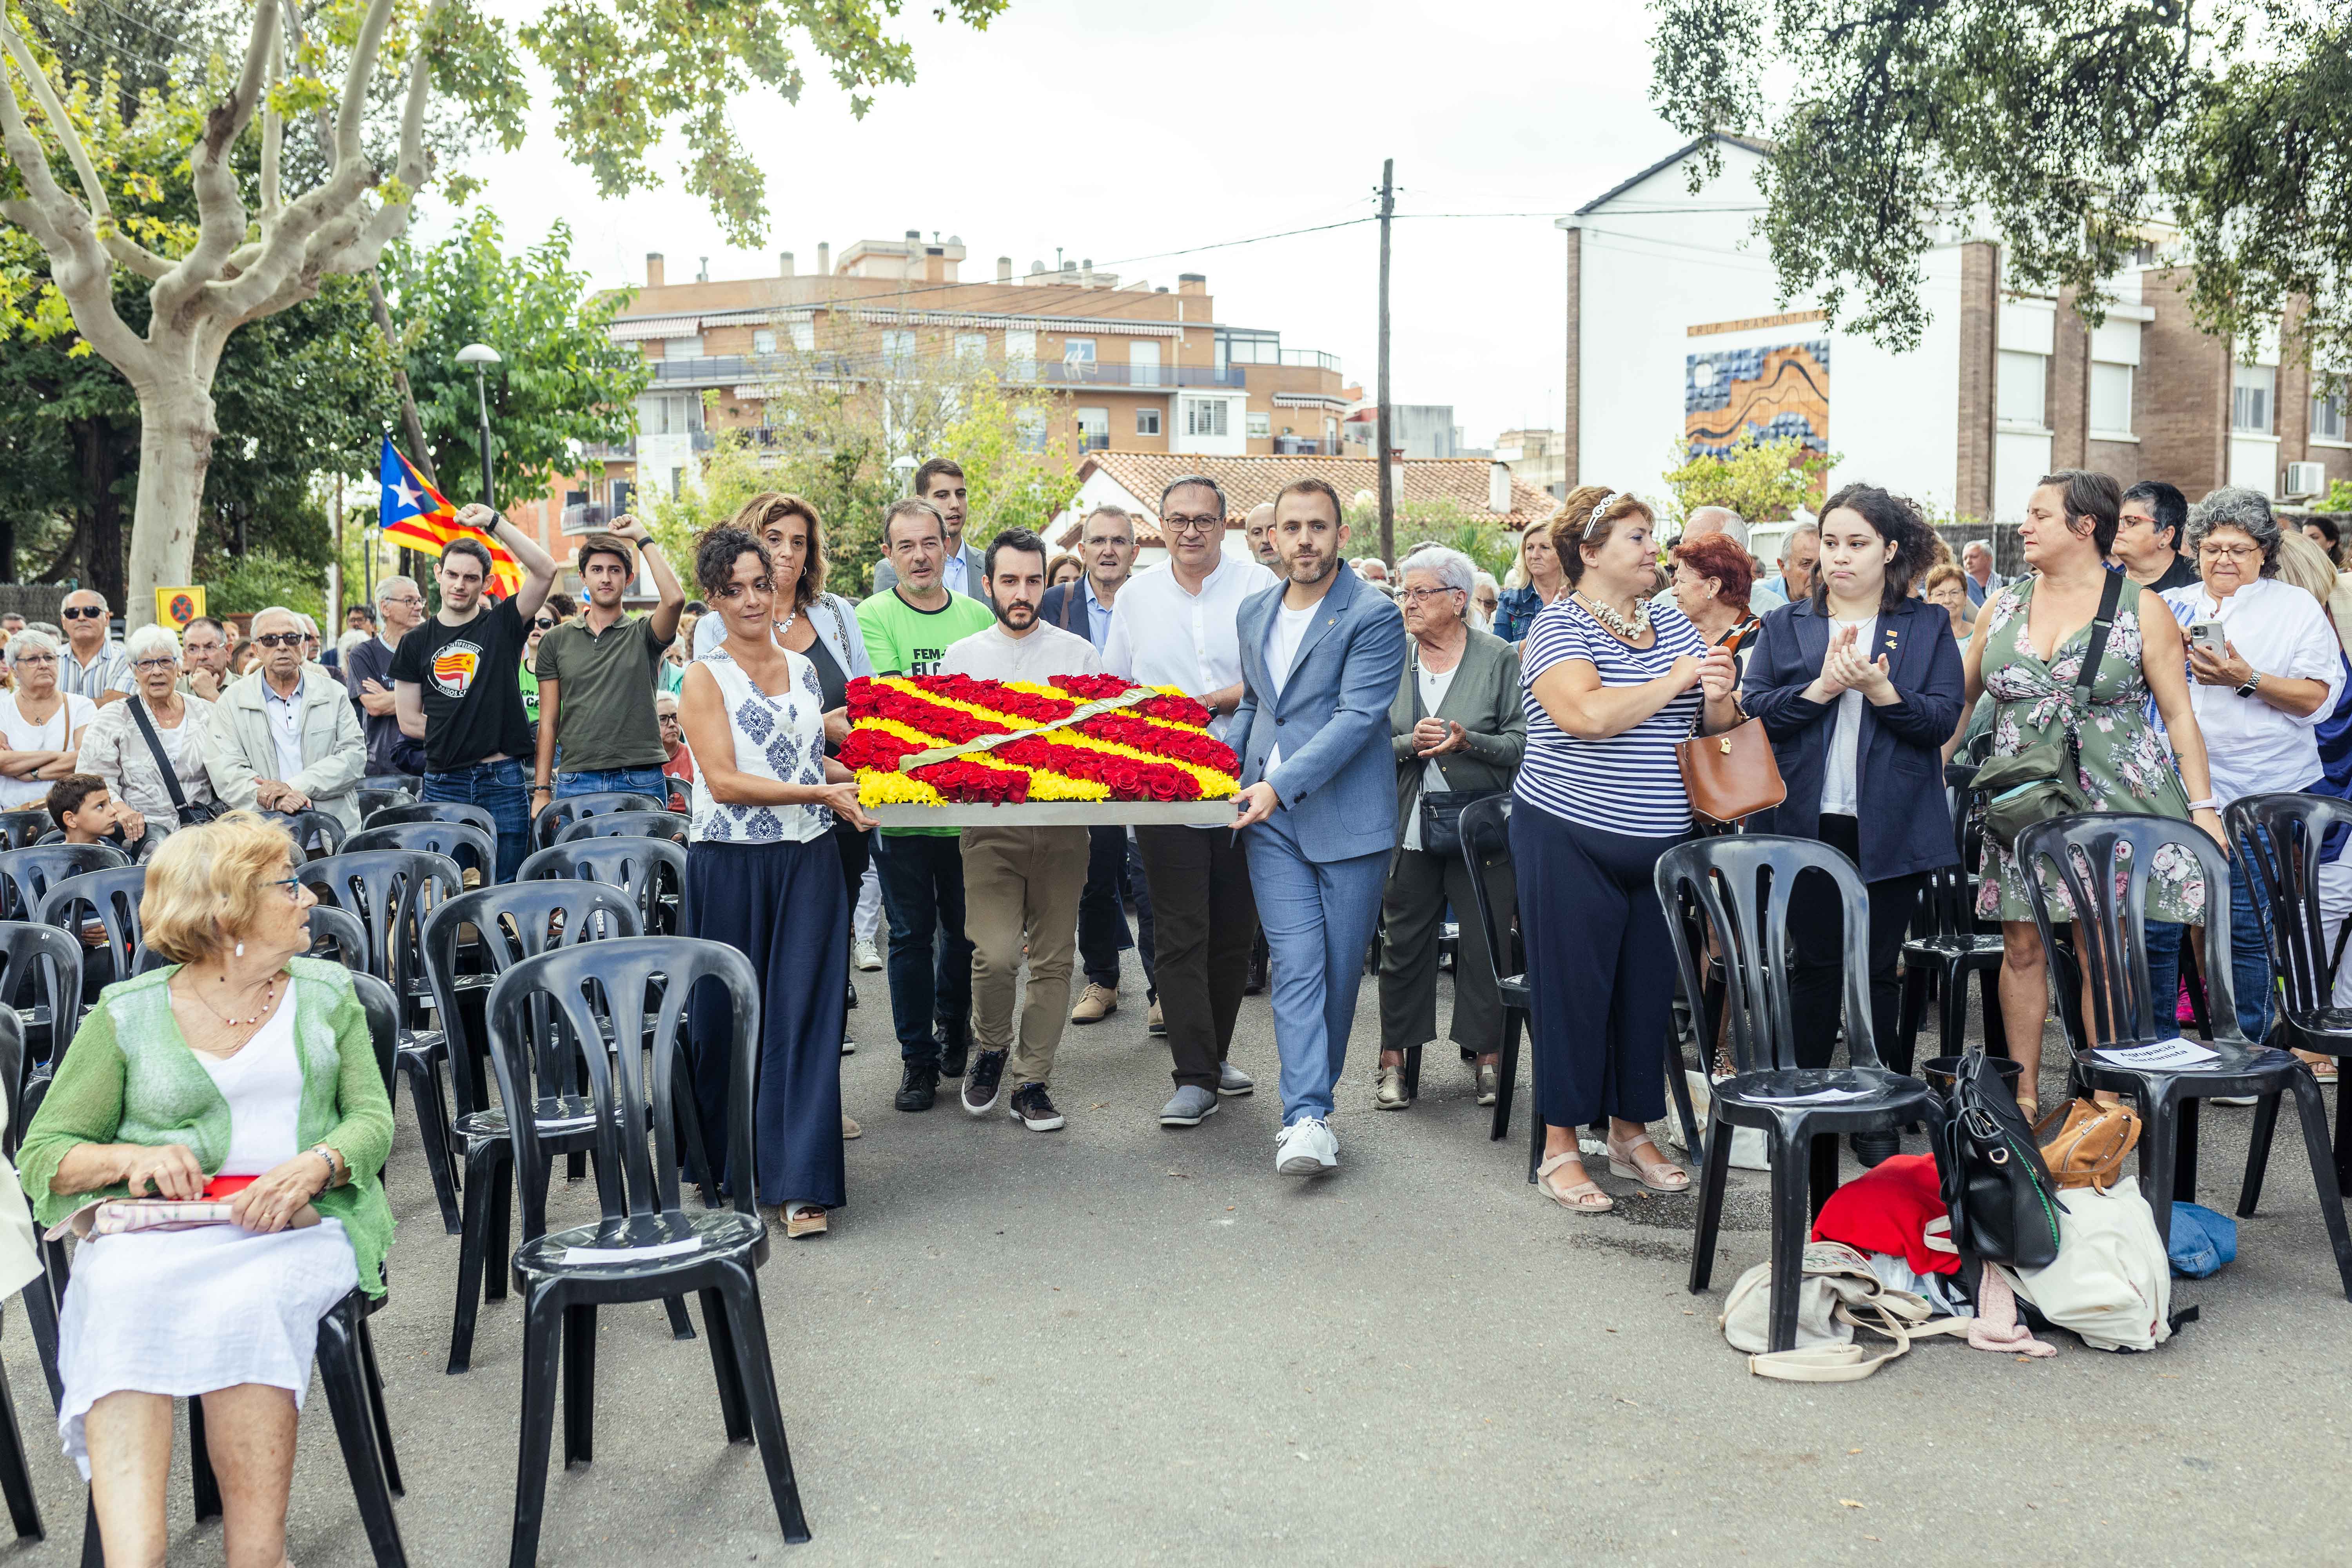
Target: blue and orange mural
(1731, 395)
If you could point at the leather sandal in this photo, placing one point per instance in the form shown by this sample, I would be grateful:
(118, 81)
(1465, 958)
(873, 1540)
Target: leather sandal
(803, 1219)
(1578, 1199)
(1665, 1176)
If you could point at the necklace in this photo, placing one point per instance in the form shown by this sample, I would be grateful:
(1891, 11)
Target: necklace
(269, 996)
(1617, 624)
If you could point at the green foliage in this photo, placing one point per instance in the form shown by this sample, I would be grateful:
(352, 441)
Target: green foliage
(1010, 485)
(2339, 496)
(2069, 129)
(260, 578)
(1487, 544)
(1763, 481)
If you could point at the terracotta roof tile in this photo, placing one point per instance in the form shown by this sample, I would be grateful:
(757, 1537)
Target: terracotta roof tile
(1249, 480)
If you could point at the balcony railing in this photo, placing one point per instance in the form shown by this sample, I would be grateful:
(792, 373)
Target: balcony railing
(730, 370)
(600, 452)
(1310, 359)
(1094, 373)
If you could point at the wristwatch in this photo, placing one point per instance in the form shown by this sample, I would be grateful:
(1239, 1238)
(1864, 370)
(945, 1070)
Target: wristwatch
(334, 1168)
(2253, 681)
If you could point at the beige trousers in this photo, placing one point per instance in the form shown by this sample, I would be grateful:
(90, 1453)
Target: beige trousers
(1021, 886)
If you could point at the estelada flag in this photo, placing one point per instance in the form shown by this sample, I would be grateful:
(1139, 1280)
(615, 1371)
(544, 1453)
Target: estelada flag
(414, 514)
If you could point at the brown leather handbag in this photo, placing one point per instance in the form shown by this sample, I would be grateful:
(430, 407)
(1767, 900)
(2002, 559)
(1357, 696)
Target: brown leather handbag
(2088, 1147)
(1731, 776)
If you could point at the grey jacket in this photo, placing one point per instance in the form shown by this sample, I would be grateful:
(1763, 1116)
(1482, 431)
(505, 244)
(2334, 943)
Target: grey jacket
(239, 748)
(975, 568)
(1484, 700)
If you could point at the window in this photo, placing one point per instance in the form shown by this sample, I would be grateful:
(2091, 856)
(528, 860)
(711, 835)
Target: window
(1021, 355)
(2018, 398)
(1078, 350)
(898, 350)
(1147, 422)
(668, 414)
(763, 342)
(2327, 418)
(2253, 392)
(2111, 398)
(1094, 430)
(1031, 426)
(1248, 348)
(682, 348)
(971, 346)
(1261, 426)
(803, 335)
(1205, 417)
(1143, 363)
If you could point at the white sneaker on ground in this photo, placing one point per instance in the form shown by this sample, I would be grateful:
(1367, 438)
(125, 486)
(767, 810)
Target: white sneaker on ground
(1306, 1148)
(866, 955)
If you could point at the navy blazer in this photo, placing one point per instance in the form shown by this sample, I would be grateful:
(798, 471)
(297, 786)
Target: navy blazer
(1906, 822)
(1065, 609)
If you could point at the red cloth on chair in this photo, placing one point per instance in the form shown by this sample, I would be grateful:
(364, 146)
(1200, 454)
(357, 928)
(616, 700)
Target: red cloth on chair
(1888, 1209)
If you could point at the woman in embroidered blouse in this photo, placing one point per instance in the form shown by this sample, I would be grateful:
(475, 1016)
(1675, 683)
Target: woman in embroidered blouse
(243, 1072)
(763, 875)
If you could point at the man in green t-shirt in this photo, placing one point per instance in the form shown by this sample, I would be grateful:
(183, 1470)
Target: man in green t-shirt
(908, 631)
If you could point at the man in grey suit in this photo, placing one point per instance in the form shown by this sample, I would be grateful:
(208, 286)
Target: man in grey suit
(1320, 663)
(940, 482)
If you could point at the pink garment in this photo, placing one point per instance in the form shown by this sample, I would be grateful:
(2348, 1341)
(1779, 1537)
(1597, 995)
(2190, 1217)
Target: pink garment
(1995, 1327)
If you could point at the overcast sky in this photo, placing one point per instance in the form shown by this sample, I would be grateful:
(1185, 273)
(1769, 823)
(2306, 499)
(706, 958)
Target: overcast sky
(1122, 131)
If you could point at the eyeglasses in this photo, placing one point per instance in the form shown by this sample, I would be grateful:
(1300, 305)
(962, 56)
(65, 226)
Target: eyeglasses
(158, 662)
(34, 658)
(1422, 595)
(415, 601)
(1193, 524)
(293, 886)
(2234, 551)
(79, 612)
(279, 639)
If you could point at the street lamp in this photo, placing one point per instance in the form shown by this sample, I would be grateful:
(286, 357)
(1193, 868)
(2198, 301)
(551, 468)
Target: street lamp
(481, 357)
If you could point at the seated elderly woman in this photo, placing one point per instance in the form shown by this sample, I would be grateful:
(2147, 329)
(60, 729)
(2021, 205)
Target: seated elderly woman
(1457, 729)
(244, 1073)
(130, 757)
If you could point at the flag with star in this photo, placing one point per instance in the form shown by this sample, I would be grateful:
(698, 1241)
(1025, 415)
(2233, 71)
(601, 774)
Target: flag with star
(417, 516)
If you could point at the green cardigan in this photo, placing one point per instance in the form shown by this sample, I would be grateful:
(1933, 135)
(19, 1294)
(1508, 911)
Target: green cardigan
(129, 1078)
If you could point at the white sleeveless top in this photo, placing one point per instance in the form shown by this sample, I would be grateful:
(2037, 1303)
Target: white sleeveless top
(780, 737)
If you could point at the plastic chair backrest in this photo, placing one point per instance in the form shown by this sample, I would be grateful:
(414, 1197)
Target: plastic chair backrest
(12, 1079)
(1485, 829)
(49, 960)
(384, 1023)
(2090, 857)
(343, 930)
(514, 921)
(371, 801)
(536, 1062)
(452, 840)
(1741, 884)
(463, 811)
(112, 897)
(2279, 837)
(22, 828)
(1946, 903)
(315, 834)
(558, 814)
(393, 784)
(614, 824)
(26, 874)
(645, 868)
(390, 891)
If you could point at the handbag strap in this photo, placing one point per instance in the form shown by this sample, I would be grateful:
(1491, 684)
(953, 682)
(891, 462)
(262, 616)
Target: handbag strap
(2109, 597)
(155, 745)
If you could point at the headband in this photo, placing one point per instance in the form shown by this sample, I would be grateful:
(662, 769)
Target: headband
(1593, 520)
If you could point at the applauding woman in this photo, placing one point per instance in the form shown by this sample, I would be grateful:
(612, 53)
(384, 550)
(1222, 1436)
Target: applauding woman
(1859, 686)
(1612, 681)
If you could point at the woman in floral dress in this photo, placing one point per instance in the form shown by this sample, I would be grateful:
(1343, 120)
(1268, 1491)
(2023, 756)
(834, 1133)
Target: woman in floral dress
(2070, 523)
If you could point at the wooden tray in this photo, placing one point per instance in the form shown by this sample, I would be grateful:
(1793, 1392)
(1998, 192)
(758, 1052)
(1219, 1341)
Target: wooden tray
(1061, 813)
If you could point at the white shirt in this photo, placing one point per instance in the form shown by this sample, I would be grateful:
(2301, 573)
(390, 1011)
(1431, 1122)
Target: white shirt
(1435, 684)
(262, 1085)
(1842, 770)
(20, 735)
(1283, 635)
(1162, 635)
(2280, 630)
(285, 716)
(1045, 653)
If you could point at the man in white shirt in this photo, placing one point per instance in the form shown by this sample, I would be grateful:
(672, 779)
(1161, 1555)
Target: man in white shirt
(1976, 561)
(1021, 885)
(940, 482)
(1180, 627)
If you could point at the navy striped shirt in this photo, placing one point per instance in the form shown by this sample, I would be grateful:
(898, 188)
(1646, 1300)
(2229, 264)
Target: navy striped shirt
(1629, 782)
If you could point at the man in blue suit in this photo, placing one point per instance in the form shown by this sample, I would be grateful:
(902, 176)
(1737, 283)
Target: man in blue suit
(1321, 658)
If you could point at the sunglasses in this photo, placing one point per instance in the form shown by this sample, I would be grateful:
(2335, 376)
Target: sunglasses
(79, 612)
(544, 624)
(280, 639)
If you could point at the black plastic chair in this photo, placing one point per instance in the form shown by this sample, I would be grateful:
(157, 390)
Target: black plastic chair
(378, 791)
(1485, 829)
(22, 827)
(111, 897)
(614, 824)
(26, 874)
(2087, 856)
(389, 892)
(463, 811)
(651, 872)
(315, 834)
(48, 962)
(15, 1474)
(545, 1030)
(338, 936)
(1944, 952)
(472, 849)
(558, 814)
(519, 920)
(1741, 884)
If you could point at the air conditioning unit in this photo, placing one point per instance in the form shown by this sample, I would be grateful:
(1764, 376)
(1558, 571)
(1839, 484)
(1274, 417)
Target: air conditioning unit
(2304, 479)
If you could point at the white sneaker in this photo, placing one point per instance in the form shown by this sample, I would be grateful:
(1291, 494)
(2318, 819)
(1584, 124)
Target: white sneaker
(1306, 1148)
(866, 955)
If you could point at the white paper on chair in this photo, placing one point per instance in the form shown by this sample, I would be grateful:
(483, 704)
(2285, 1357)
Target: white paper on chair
(630, 1254)
(1811, 1097)
(2159, 1055)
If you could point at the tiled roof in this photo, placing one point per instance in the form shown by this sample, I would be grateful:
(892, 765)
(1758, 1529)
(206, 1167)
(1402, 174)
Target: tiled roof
(1247, 481)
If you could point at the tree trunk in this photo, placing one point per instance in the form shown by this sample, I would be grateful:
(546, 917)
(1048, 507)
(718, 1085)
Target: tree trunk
(176, 432)
(99, 459)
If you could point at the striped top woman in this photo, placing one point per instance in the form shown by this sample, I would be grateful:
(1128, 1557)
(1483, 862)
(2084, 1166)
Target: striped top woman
(1611, 680)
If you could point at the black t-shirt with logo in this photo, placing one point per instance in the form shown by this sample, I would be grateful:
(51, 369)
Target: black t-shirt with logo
(470, 677)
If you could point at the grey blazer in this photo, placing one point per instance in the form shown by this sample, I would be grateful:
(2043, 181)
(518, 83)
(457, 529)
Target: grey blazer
(1484, 700)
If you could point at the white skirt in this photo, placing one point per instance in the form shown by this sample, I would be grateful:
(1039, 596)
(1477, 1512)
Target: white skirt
(183, 1312)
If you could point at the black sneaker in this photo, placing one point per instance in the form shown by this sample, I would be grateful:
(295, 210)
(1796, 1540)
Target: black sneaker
(985, 1082)
(920, 1087)
(853, 994)
(1871, 1148)
(1033, 1109)
(952, 1051)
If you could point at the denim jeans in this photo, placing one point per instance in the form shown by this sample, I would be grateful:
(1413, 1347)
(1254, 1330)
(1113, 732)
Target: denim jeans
(498, 788)
(1114, 873)
(930, 958)
(2164, 938)
(639, 781)
(2250, 953)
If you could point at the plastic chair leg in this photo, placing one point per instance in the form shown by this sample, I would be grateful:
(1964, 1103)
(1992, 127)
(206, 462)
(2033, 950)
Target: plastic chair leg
(715, 1327)
(1679, 1090)
(1996, 1030)
(701, 1163)
(741, 1291)
(1507, 1075)
(16, 1476)
(377, 1410)
(579, 1386)
(41, 1318)
(2342, 1137)
(342, 1369)
(2159, 1141)
(1413, 1072)
(1903, 1049)
(542, 1347)
(1821, 1175)
(2314, 1114)
(681, 1326)
(1792, 1171)
(93, 1549)
(433, 1131)
(501, 1213)
(2192, 970)
(1715, 1171)
(200, 1464)
(481, 1190)
(2184, 1165)
(2258, 1155)
(1952, 1011)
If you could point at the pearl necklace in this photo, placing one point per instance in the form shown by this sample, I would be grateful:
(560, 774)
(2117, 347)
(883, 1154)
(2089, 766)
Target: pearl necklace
(268, 998)
(1631, 631)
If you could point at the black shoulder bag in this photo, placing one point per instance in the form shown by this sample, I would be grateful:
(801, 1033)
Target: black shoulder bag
(2044, 779)
(1996, 1186)
(1440, 810)
(193, 813)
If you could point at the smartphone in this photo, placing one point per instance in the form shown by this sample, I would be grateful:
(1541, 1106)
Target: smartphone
(2209, 635)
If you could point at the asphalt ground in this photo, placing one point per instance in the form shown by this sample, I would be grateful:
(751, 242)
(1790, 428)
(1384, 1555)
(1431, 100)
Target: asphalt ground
(1118, 1344)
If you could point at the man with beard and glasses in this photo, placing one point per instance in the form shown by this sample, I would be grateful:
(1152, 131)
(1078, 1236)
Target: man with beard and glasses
(1021, 885)
(1321, 661)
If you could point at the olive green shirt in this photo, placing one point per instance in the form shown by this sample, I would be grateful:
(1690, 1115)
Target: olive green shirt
(604, 702)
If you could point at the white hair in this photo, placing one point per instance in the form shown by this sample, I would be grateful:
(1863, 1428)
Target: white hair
(274, 610)
(1484, 580)
(151, 638)
(32, 640)
(385, 589)
(1984, 544)
(1723, 521)
(1450, 567)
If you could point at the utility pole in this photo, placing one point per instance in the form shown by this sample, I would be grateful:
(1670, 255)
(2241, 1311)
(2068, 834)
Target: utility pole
(1388, 488)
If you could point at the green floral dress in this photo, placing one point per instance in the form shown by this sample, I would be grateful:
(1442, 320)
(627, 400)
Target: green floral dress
(2125, 764)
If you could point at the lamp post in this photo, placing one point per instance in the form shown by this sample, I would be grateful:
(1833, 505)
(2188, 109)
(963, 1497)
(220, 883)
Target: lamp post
(481, 357)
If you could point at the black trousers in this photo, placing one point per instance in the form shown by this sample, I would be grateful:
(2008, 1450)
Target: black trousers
(930, 958)
(1817, 933)
(1204, 919)
(1114, 874)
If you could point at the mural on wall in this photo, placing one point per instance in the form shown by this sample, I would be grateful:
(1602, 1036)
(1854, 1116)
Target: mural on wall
(1730, 395)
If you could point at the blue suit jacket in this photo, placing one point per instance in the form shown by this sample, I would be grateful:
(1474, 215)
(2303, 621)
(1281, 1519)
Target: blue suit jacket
(1338, 779)
(1905, 824)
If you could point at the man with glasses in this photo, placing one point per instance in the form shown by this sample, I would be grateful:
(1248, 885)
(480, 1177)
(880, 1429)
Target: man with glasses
(94, 665)
(455, 681)
(400, 604)
(597, 674)
(203, 658)
(1179, 627)
(284, 738)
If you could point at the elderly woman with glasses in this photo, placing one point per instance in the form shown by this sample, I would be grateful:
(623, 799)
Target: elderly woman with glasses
(131, 756)
(1457, 729)
(41, 726)
(240, 1072)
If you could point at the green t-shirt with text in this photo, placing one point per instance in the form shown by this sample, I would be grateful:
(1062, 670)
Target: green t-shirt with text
(903, 640)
